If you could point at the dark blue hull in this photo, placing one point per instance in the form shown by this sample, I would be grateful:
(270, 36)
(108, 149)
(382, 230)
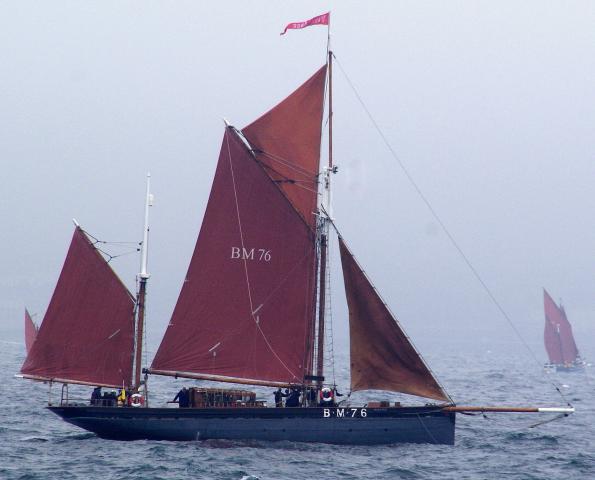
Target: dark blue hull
(366, 426)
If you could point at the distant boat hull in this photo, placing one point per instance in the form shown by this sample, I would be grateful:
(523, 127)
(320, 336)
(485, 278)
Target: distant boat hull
(352, 426)
(577, 366)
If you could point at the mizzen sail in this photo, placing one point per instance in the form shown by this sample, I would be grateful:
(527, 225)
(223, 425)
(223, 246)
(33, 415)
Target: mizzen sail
(87, 334)
(559, 341)
(382, 357)
(30, 331)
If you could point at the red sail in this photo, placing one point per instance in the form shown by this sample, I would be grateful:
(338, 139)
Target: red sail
(559, 341)
(30, 331)
(286, 141)
(87, 334)
(382, 357)
(246, 305)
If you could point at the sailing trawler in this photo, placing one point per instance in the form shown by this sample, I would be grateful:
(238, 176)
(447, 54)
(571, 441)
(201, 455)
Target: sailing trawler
(559, 342)
(251, 311)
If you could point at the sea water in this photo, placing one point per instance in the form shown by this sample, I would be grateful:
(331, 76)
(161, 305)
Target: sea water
(36, 444)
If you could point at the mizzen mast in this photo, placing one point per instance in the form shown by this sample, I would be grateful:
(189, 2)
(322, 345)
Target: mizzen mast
(143, 276)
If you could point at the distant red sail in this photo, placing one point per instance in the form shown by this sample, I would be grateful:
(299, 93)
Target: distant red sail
(87, 334)
(382, 357)
(287, 144)
(559, 341)
(30, 331)
(246, 305)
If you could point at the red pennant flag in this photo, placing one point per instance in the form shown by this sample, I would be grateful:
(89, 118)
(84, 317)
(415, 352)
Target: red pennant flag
(323, 19)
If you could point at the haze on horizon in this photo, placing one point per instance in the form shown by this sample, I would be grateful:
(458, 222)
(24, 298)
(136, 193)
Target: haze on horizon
(490, 106)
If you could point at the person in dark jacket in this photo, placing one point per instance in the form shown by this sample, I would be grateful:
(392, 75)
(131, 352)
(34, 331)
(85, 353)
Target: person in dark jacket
(183, 398)
(96, 396)
(279, 395)
(294, 399)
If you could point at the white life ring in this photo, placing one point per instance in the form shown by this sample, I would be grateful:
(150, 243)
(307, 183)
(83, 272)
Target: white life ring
(137, 400)
(326, 395)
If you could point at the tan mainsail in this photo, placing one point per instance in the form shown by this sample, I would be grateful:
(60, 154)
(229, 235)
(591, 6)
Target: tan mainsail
(382, 357)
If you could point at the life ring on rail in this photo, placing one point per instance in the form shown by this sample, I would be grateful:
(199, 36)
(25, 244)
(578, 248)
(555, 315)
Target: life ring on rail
(137, 400)
(326, 395)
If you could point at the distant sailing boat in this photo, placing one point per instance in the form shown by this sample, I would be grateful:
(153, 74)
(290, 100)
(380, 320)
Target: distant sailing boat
(30, 331)
(251, 311)
(559, 341)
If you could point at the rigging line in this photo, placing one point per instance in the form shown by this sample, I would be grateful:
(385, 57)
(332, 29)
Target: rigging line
(329, 301)
(297, 185)
(252, 311)
(235, 193)
(434, 213)
(522, 429)
(96, 240)
(287, 163)
(286, 179)
(118, 243)
(283, 280)
(111, 257)
(426, 429)
(311, 177)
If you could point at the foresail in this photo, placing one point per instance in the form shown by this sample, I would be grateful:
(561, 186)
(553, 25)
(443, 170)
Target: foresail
(382, 357)
(246, 306)
(87, 334)
(30, 331)
(286, 141)
(559, 341)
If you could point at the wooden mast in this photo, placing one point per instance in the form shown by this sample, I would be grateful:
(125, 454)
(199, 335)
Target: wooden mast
(321, 306)
(142, 291)
(324, 225)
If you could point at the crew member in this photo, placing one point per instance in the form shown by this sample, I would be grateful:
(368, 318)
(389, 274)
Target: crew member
(183, 398)
(294, 398)
(96, 396)
(279, 395)
(122, 397)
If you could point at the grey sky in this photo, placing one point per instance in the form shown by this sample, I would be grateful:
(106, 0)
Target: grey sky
(490, 105)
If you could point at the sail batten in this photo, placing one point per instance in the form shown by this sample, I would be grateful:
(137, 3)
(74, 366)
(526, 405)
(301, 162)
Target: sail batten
(382, 357)
(87, 333)
(559, 341)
